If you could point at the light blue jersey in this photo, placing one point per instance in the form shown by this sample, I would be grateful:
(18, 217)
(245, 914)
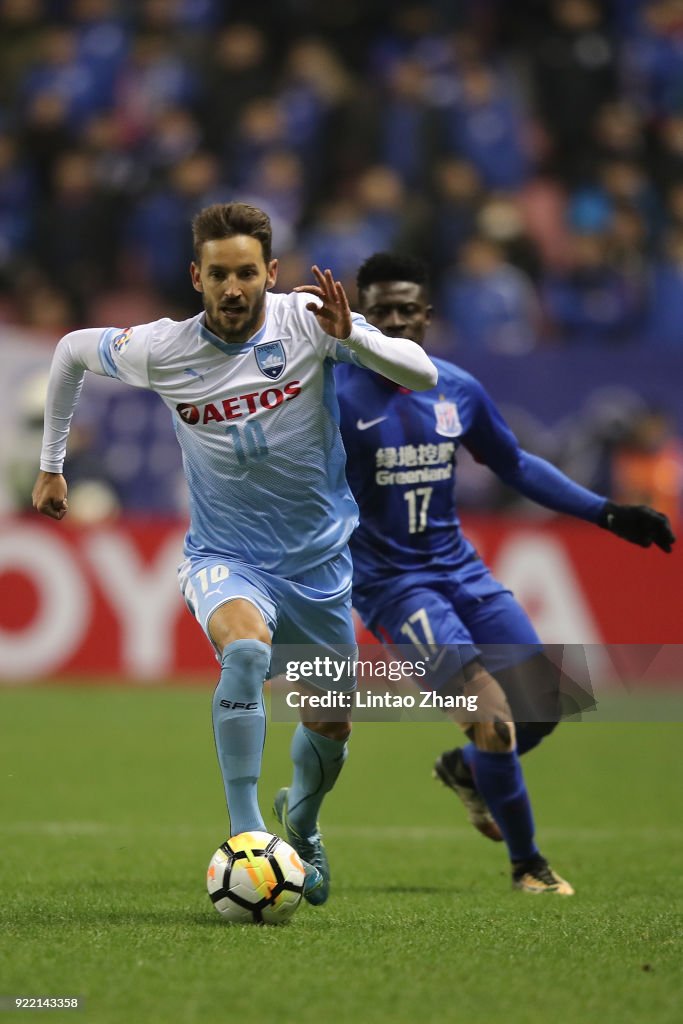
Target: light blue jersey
(258, 427)
(257, 422)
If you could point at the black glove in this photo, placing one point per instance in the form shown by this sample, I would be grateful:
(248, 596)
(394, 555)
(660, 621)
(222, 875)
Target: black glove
(639, 524)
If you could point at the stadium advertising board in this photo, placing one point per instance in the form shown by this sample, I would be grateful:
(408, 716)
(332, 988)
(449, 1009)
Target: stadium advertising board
(103, 601)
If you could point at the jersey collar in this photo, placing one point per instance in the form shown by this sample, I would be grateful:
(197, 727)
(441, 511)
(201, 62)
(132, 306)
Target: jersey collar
(228, 347)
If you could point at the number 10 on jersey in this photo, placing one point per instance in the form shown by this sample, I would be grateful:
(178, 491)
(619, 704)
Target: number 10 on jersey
(249, 442)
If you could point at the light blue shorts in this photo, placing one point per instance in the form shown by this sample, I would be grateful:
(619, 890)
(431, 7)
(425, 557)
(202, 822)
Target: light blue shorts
(306, 615)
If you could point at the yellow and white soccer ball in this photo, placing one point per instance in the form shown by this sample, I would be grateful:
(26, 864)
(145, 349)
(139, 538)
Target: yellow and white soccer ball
(255, 878)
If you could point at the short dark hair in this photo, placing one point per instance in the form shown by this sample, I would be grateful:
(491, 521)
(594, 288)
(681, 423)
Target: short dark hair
(224, 220)
(389, 266)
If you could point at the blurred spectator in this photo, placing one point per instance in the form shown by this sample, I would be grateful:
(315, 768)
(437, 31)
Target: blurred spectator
(44, 306)
(647, 467)
(278, 187)
(486, 126)
(490, 304)
(419, 125)
(618, 131)
(21, 23)
(117, 168)
(17, 200)
(61, 71)
(339, 237)
(154, 78)
(653, 58)
(588, 440)
(627, 245)
(102, 40)
(501, 220)
(412, 32)
(389, 212)
(160, 245)
(44, 136)
(314, 90)
(261, 130)
(173, 135)
(625, 182)
(592, 303)
(664, 328)
(674, 206)
(70, 228)
(543, 203)
(668, 163)
(239, 69)
(458, 193)
(408, 126)
(574, 70)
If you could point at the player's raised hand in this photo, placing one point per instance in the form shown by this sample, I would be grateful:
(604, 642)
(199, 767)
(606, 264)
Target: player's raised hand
(639, 524)
(49, 495)
(334, 315)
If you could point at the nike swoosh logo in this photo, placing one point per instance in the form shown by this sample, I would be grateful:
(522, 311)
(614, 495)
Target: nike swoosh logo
(365, 424)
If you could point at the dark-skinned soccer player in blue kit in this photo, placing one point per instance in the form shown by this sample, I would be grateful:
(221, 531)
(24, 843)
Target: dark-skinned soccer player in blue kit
(419, 583)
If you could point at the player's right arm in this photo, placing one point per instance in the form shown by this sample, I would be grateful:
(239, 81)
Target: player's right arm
(102, 351)
(492, 442)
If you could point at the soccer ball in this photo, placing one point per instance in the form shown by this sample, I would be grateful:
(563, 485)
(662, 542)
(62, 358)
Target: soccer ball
(256, 878)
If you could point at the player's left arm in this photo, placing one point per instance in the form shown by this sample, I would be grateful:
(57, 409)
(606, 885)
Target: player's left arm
(492, 442)
(402, 361)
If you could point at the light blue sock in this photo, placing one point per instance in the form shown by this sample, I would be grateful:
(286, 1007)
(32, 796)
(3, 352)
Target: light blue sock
(239, 727)
(317, 763)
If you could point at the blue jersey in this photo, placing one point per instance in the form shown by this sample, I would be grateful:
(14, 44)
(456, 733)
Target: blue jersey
(402, 451)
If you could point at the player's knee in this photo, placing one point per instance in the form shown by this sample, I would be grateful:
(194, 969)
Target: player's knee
(244, 667)
(236, 621)
(496, 737)
(339, 731)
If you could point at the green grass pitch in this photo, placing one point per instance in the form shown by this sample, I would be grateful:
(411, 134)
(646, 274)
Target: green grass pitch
(112, 806)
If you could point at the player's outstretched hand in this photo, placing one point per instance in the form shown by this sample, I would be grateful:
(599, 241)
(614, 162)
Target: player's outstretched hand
(49, 495)
(639, 524)
(334, 315)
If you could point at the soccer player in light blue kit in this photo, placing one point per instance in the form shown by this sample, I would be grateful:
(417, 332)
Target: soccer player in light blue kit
(419, 582)
(250, 385)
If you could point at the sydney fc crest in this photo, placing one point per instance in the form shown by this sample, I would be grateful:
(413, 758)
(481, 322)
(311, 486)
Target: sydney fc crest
(270, 356)
(447, 420)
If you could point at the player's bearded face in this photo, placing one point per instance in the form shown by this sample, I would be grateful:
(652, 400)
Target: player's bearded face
(233, 278)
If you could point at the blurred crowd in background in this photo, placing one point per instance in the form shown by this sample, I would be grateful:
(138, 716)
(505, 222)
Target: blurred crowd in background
(530, 152)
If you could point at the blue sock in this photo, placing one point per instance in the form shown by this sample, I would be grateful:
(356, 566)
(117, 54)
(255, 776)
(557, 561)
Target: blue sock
(239, 726)
(317, 763)
(500, 781)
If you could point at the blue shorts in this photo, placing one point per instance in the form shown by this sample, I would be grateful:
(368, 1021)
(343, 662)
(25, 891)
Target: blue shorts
(450, 620)
(304, 614)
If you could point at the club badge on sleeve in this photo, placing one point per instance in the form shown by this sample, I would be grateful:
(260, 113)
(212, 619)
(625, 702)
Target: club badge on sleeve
(447, 420)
